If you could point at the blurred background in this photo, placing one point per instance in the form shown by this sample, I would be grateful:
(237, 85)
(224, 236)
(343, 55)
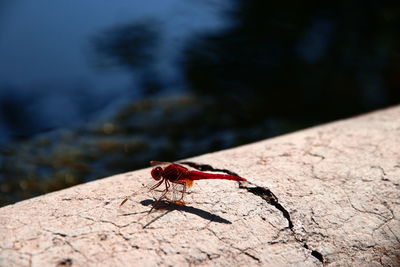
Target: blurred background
(96, 87)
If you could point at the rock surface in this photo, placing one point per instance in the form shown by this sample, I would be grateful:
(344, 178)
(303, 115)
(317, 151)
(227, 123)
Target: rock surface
(328, 195)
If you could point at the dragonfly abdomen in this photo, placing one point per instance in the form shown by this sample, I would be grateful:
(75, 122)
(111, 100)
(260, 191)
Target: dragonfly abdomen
(196, 175)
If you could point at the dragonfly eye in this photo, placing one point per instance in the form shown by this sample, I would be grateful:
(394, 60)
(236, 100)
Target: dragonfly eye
(156, 173)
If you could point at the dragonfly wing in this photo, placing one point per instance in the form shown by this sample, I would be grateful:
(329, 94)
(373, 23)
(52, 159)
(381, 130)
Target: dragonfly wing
(156, 188)
(174, 192)
(178, 191)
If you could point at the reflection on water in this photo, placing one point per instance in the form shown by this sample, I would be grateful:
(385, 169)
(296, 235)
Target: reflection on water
(301, 60)
(47, 56)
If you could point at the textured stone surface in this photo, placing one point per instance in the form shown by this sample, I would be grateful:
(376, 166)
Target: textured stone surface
(328, 195)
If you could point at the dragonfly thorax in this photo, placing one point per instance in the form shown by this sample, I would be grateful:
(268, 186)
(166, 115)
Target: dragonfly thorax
(175, 172)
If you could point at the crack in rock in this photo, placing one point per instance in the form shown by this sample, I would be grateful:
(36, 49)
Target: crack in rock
(315, 253)
(271, 199)
(65, 262)
(266, 194)
(251, 256)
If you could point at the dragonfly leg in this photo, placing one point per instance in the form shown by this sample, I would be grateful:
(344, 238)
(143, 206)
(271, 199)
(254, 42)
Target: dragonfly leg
(158, 201)
(167, 185)
(156, 185)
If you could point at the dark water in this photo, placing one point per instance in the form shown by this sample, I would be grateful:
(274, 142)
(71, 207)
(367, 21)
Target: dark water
(50, 71)
(93, 88)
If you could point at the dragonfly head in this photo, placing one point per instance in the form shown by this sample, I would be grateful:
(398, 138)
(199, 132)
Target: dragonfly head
(156, 173)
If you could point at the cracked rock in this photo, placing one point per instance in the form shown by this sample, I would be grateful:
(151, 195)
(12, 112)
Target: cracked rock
(328, 195)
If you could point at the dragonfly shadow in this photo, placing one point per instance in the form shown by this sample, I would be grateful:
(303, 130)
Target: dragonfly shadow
(169, 206)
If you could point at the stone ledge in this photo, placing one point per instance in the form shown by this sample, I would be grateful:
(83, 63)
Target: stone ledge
(328, 195)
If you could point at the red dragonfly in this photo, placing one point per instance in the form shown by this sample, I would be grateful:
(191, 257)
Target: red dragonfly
(178, 178)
